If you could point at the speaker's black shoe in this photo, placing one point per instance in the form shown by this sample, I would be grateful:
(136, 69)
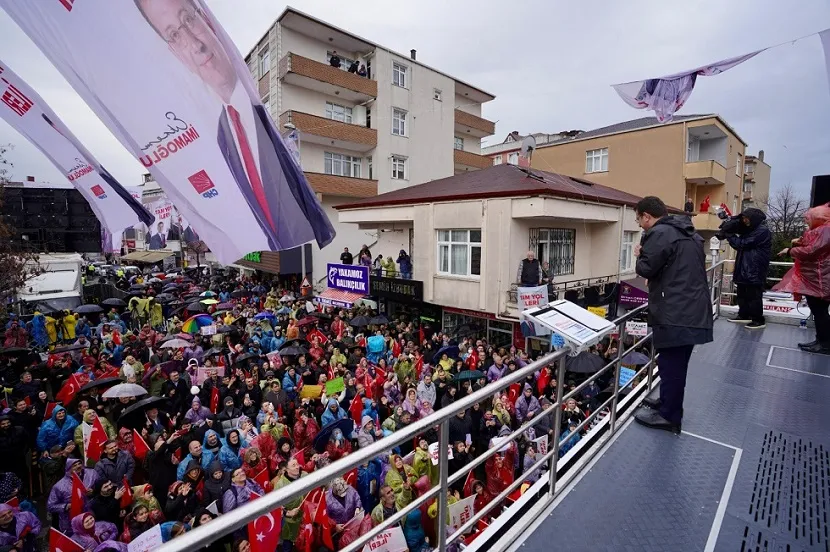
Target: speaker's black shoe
(653, 419)
(653, 404)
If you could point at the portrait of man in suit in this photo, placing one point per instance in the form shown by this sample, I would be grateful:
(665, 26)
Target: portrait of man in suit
(158, 240)
(271, 183)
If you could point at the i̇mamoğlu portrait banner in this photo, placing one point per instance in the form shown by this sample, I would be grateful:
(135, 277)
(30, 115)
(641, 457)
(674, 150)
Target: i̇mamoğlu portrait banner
(168, 82)
(26, 112)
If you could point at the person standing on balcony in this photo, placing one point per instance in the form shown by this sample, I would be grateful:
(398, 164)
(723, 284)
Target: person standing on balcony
(753, 242)
(530, 271)
(670, 256)
(334, 60)
(346, 258)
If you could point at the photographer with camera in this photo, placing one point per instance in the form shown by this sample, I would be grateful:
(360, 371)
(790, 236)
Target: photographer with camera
(749, 235)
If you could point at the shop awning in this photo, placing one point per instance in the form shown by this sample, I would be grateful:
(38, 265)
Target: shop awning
(338, 298)
(147, 256)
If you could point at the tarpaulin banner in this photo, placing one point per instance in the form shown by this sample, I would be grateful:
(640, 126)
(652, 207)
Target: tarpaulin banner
(169, 225)
(527, 298)
(167, 80)
(26, 112)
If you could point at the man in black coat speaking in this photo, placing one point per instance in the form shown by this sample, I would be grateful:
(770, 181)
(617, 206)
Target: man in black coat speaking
(753, 242)
(671, 257)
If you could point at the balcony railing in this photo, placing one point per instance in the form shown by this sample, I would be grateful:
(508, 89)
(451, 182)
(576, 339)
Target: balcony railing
(473, 124)
(299, 70)
(603, 422)
(555, 289)
(469, 159)
(344, 186)
(350, 136)
(705, 172)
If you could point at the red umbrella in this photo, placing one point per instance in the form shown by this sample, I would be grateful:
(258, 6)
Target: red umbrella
(306, 321)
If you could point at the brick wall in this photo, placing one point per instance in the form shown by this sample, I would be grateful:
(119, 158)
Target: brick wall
(293, 63)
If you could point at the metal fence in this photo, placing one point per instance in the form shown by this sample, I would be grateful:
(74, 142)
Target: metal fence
(239, 517)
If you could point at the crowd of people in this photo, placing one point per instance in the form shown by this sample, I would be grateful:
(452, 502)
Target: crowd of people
(276, 389)
(381, 266)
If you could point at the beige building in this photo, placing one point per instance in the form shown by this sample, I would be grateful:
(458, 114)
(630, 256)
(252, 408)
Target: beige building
(756, 182)
(471, 231)
(393, 123)
(693, 156)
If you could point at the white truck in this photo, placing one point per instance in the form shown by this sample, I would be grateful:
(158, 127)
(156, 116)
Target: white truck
(57, 286)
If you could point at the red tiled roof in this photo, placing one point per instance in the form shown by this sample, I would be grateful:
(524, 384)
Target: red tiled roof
(499, 181)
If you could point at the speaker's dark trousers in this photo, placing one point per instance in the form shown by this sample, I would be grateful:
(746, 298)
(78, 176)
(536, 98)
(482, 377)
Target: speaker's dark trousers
(674, 365)
(751, 302)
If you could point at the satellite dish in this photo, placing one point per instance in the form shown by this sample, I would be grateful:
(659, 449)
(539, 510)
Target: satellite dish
(528, 145)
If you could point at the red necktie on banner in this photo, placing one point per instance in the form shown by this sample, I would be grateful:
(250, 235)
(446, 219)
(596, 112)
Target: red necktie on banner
(250, 165)
(76, 503)
(214, 399)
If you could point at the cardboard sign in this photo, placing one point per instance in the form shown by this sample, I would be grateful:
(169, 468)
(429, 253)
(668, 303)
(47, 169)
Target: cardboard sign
(275, 359)
(208, 330)
(311, 392)
(146, 541)
(462, 511)
(626, 375)
(433, 453)
(335, 386)
(202, 374)
(541, 445)
(599, 311)
(391, 540)
(637, 329)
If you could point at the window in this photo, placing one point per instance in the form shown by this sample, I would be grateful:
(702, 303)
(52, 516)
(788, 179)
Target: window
(693, 149)
(398, 122)
(513, 158)
(747, 186)
(264, 61)
(739, 164)
(555, 246)
(399, 75)
(459, 252)
(369, 165)
(266, 101)
(497, 160)
(627, 253)
(338, 112)
(459, 143)
(368, 117)
(748, 168)
(398, 167)
(345, 62)
(341, 165)
(436, 94)
(596, 160)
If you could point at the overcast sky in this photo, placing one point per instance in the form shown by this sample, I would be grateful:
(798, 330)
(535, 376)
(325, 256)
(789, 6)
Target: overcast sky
(549, 63)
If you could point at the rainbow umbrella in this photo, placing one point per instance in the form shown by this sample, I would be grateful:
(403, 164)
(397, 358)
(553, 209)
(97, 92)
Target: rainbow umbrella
(192, 324)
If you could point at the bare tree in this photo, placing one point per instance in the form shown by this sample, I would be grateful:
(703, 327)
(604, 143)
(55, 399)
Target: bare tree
(785, 213)
(17, 266)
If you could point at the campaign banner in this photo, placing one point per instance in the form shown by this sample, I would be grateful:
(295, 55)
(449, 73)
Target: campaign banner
(541, 444)
(462, 511)
(354, 278)
(389, 540)
(169, 225)
(529, 297)
(169, 83)
(27, 113)
(636, 329)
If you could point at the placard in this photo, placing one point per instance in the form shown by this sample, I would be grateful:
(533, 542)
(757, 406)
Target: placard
(462, 511)
(637, 329)
(202, 374)
(529, 297)
(274, 358)
(541, 444)
(391, 540)
(626, 375)
(335, 386)
(433, 453)
(311, 391)
(599, 311)
(146, 541)
(208, 330)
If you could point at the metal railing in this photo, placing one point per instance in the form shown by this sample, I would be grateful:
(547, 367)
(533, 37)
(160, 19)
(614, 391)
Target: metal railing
(731, 285)
(569, 285)
(239, 517)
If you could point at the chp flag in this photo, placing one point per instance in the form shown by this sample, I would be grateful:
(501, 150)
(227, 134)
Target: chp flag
(28, 114)
(192, 116)
(462, 511)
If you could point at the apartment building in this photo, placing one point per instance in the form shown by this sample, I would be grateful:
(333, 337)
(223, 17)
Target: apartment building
(471, 231)
(693, 156)
(756, 182)
(394, 123)
(508, 151)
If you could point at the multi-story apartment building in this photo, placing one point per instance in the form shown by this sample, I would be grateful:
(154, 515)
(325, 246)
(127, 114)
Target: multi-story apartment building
(393, 123)
(508, 151)
(693, 156)
(756, 182)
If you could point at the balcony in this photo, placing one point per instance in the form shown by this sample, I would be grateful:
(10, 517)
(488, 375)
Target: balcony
(468, 161)
(747, 194)
(468, 124)
(706, 221)
(301, 71)
(328, 132)
(343, 186)
(708, 173)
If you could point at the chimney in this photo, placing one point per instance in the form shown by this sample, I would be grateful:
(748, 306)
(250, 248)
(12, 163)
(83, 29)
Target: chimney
(412, 54)
(30, 179)
(761, 155)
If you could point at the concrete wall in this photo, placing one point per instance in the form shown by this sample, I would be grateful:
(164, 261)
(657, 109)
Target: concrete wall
(348, 235)
(760, 188)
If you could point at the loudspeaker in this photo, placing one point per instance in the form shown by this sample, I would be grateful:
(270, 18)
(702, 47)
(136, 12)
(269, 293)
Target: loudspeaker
(820, 194)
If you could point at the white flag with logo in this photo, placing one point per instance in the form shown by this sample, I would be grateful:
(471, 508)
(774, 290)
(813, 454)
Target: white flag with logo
(462, 511)
(529, 297)
(169, 83)
(27, 113)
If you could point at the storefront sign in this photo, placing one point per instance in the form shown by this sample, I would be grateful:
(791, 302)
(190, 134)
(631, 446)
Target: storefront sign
(397, 289)
(631, 296)
(254, 257)
(354, 278)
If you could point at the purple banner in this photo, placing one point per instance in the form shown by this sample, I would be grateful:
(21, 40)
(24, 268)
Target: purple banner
(354, 278)
(632, 296)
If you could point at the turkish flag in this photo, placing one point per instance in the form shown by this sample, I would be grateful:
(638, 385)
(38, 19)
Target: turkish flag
(419, 366)
(127, 497)
(112, 372)
(356, 408)
(421, 336)
(318, 334)
(350, 478)
(264, 531)
(513, 392)
(95, 445)
(396, 348)
(543, 381)
(468, 485)
(28, 400)
(13, 502)
(141, 447)
(262, 479)
(214, 399)
(321, 518)
(472, 361)
(69, 390)
(50, 406)
(76, 504)
(58, 542)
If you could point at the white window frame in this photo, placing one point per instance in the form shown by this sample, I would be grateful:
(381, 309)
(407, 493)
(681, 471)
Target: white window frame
(458, 143)
(449, 239)
(513, 158)
(337, 112)
(627, 252)
(264, 59)
(497, 160)
(596, 160)
(747, 186)
(266, 101)
(739, 165)
(340, 164)
(399, 167)
(436, 94)
(400, 74)
(344, 61)
(399, 123)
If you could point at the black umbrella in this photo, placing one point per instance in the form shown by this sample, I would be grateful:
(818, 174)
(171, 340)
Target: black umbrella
(213, 351)
(103, 382)
(88, 309)
(468, 375)
(345, 425)
(114, 302)
(323, 315)
(584, 363)
(450, 350)
(138, 286)
(14, 351)
(196, 307)
(293, 350)
(165, 298)
(245, 356)
(359, 321)
(68, 348)
(142, 405)
(240, 293)
(378, 320)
